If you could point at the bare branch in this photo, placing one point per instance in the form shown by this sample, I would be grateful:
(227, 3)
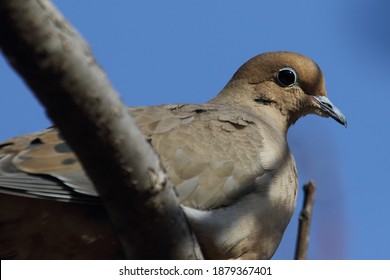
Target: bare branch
(58, 66)
(305, 221)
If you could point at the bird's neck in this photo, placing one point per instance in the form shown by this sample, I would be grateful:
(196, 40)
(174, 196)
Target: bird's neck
(237, 98)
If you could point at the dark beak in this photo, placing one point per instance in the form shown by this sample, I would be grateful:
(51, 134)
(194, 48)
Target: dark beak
(331, 110)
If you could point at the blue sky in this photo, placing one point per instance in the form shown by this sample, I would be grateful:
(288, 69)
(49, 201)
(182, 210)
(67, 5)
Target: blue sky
(159, 52)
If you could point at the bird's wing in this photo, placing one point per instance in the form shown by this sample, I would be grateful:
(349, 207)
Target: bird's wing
(211, 153)
(42, 165)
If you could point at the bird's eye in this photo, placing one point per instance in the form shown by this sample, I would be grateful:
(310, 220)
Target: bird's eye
(287, 77)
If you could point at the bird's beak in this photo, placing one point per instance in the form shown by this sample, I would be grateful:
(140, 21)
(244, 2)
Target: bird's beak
(332, 111)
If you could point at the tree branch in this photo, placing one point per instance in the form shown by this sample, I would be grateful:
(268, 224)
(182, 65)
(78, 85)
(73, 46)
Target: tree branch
(305, 221)
(59, 68)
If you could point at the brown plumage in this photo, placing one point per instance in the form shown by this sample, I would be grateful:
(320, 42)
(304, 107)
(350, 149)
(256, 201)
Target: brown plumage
(228, 158)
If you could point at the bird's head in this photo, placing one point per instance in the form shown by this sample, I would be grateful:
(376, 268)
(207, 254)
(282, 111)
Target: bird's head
(290, 82)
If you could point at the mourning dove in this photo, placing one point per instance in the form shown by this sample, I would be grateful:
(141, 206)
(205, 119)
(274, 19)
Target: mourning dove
(228, 159)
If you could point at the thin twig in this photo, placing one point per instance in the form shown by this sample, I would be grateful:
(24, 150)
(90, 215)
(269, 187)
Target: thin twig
(305, 221)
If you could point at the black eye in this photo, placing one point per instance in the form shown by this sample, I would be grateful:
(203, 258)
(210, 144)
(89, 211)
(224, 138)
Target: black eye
(287, 77)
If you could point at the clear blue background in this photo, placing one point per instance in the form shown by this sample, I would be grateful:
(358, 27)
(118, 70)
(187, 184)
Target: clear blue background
(185, 51)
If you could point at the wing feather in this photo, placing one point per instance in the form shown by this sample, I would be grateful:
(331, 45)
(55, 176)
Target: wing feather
(210, 153)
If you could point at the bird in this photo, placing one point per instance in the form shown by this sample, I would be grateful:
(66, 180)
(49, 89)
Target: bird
(228, 158)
